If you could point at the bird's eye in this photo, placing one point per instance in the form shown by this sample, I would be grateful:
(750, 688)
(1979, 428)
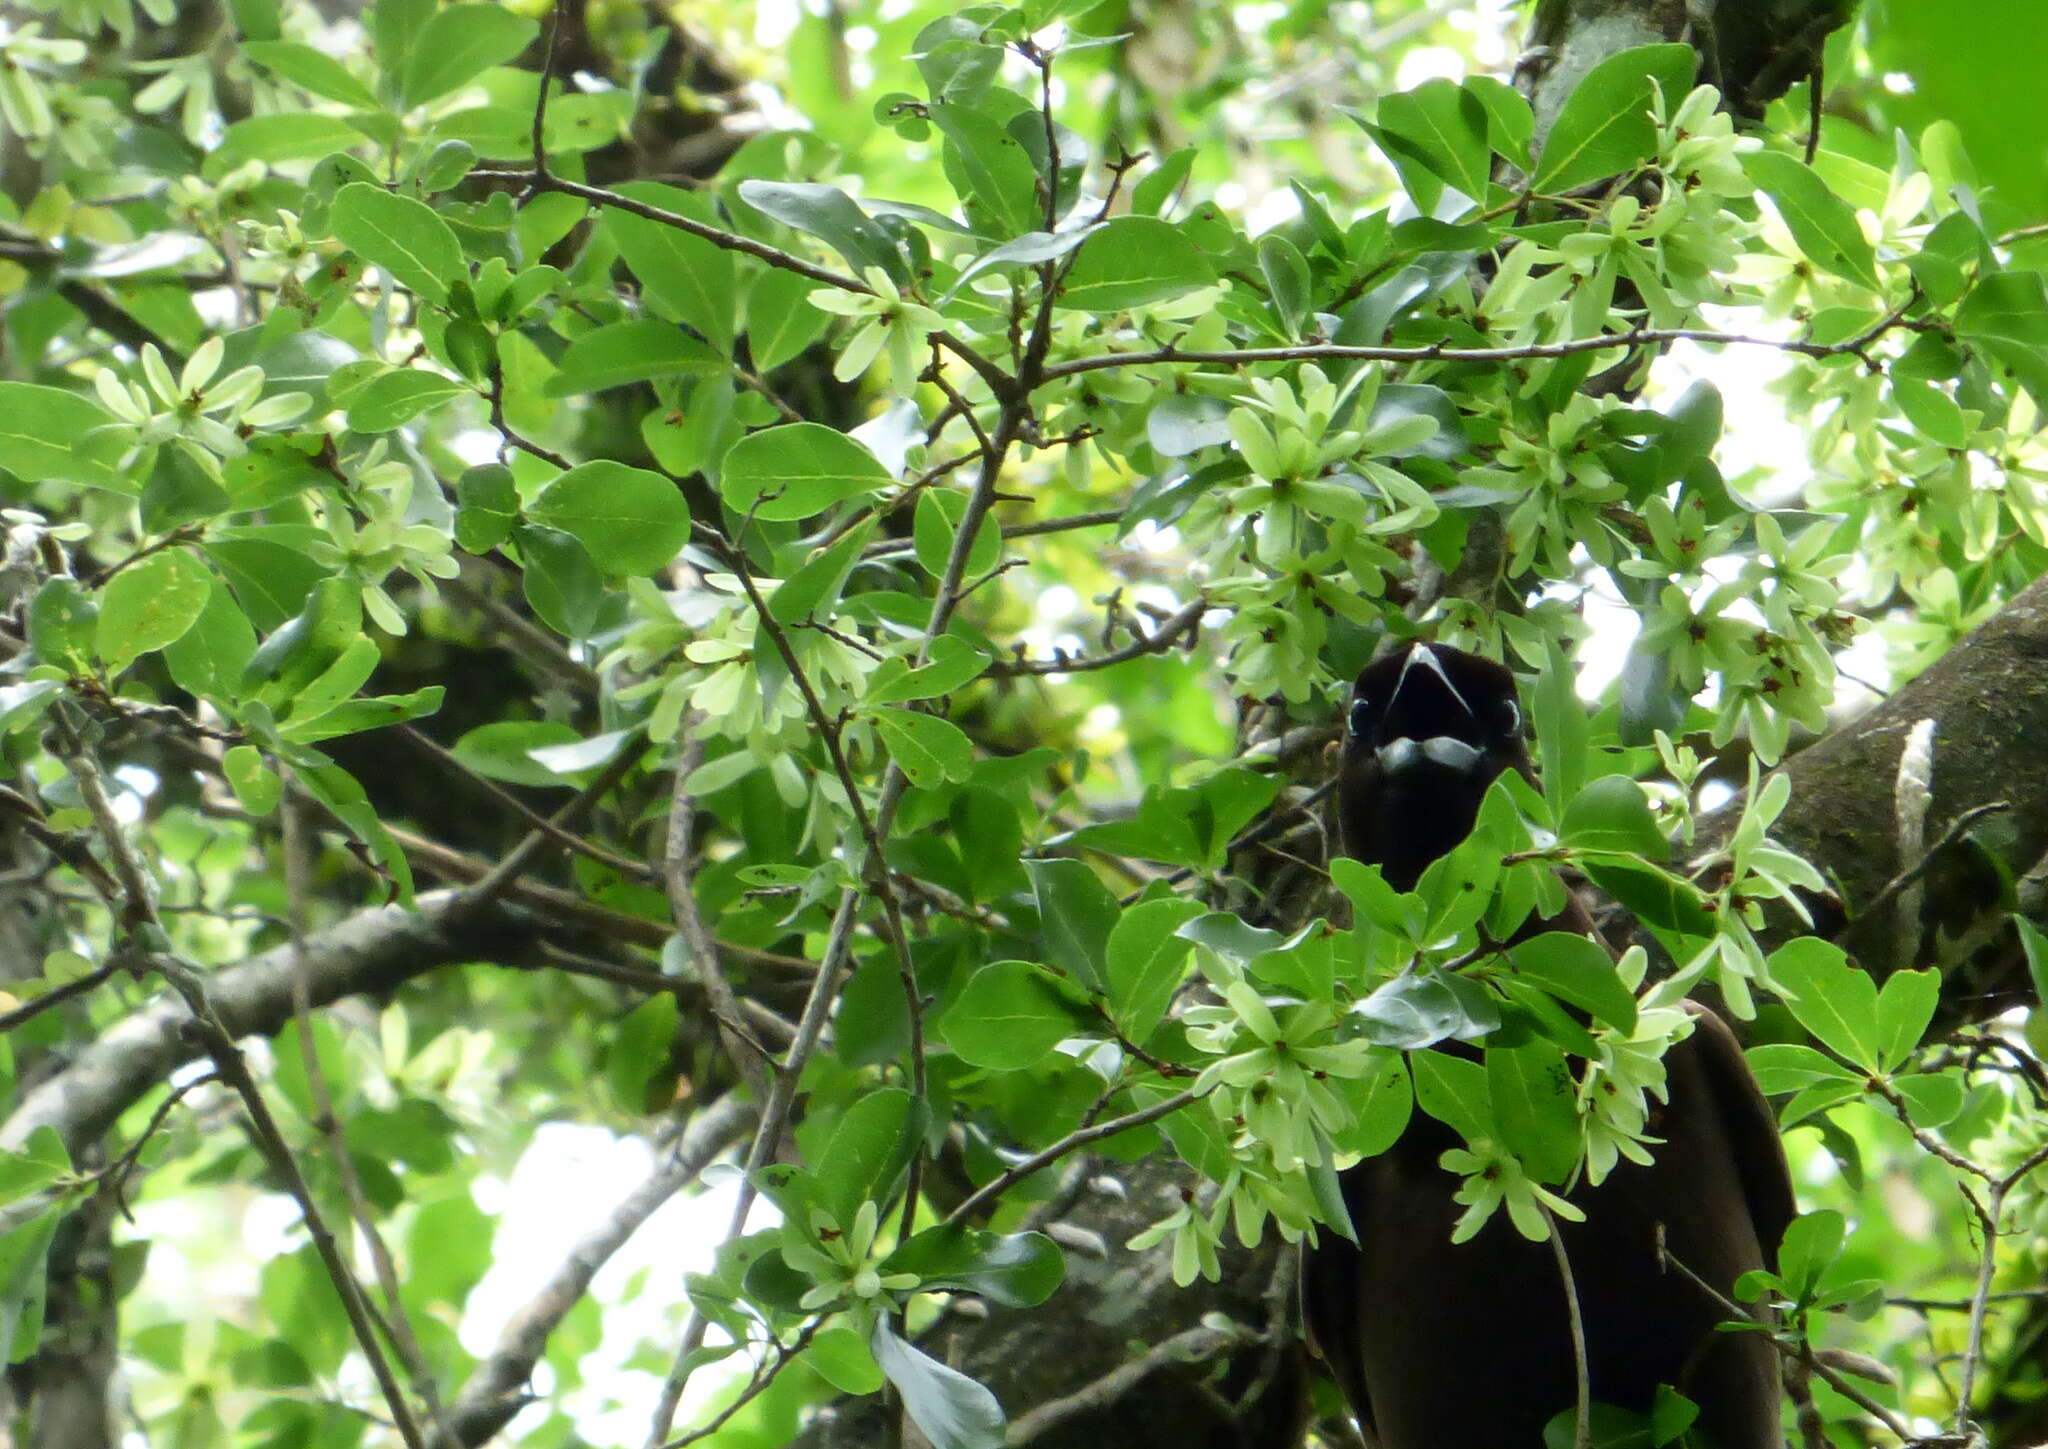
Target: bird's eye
(1510, 717)
(1361, 717)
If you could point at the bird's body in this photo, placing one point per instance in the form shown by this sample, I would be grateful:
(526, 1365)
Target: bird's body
(1468, 1346)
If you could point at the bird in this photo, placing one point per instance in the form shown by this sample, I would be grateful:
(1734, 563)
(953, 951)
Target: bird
(1437, 1345)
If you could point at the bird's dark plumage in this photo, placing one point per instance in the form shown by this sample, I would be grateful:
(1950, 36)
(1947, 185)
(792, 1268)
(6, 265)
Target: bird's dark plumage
(1468, 1346)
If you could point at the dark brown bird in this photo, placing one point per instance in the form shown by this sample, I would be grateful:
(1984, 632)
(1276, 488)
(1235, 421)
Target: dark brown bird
(1468, 1346)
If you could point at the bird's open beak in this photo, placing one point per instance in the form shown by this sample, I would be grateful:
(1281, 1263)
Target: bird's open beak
(1447, 750)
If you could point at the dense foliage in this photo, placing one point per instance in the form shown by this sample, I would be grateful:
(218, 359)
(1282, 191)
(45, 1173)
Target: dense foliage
(849, 609)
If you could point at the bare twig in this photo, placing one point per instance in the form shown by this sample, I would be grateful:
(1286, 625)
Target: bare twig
(677, 880)
(1074, 1141)
(521, 855)
(138, 915)
(1957, 829)
(494, 1390)
(1199, 1344)
(396, 1321)
(731, 241)
(1158, 641)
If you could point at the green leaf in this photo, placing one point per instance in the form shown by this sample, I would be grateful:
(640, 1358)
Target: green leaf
(1421, 1008)
(353, 716)
(1144, 961)
(150, 605)
(403, 236)
(21, 704)
(1821, 222)
(339, 791)
(1440, 128)
(871, 1145)
(1184, 422)
(628, 352)
(1509, 122)
(1013, 1270)
(502, 750)
(781, 322)
(1613, 813)
(940, 512)
(1933, 1099)
(249, 775)
(1563, 737)
(1076, 914)
(312, 70)
(636, 1066)
(1455, 1092)
(2035, 945)
(45, 438)
(632, 521)
(1906, 1006)
(487, 505)
(1007, 1018)
(39, 1163)
(1655, 897)
(279, 138)
(62, 618)
(1534, 1103)
(952, 1410)
(693, 278)
(954, 663)
(1287, 280)
(833, 217)
(559, 579)
(1133, 261)
(1812, 1243)
(1156, 188)
(791, 472)
(1576, 970)
(817, 585)
(843, 1359)
(1789, 1067)
(1605, 126)
(24, 1288)
(1365, 886)
(1384, 1102)
(1027, 250)
(928, 749)
(1832, 999)
(458, 44)
(392, 399)
(209, 659)
(990, 171)
(2006, 316)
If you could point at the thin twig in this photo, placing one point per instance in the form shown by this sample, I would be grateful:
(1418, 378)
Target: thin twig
(1582, 1420)
(1073, 1142)
(570, 841)
(138, 914)
(1957, 829)
(521, 855)
(767, 1134)
(1196, 1345)
(678, 882)
(763, 1379)
(396, 1322)
(1157, 642)
(1534, 351)
(731, 241)
(57, 995)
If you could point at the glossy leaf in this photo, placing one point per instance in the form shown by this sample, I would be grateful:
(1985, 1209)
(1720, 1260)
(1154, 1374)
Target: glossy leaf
(631, 520)
(797, 470)
(1008, 1018)
(401, 235)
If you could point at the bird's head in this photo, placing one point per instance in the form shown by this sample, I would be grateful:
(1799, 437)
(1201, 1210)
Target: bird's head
(1430, 728)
